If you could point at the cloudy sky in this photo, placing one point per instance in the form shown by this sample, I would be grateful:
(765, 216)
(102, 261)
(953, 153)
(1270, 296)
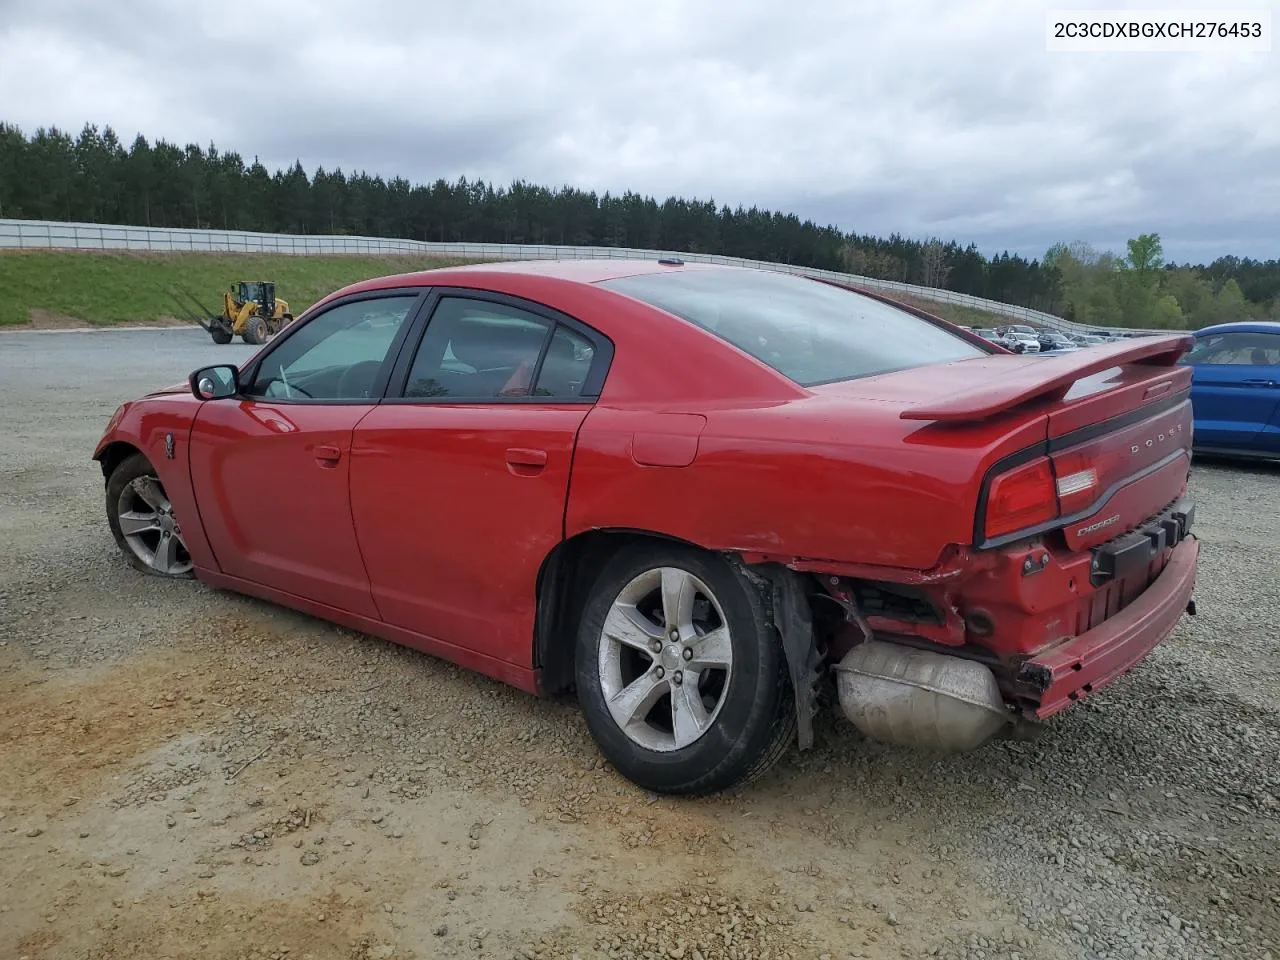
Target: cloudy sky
(924, 117)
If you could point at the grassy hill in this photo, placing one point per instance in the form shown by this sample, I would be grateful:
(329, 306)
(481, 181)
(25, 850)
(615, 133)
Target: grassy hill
(55, 288)
(74, 288)
(954, 313)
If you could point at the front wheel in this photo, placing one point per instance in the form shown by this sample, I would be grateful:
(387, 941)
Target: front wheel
(255, 331)
(680, 674)
(142, 521)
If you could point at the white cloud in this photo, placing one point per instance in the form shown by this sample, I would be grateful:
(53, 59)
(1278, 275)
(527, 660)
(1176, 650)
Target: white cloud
(912, 116)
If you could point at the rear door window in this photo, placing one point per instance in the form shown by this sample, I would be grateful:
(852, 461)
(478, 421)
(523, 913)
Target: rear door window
(477, 350)
(480, 350)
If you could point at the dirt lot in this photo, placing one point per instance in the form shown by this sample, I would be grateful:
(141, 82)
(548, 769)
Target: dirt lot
(187, 773)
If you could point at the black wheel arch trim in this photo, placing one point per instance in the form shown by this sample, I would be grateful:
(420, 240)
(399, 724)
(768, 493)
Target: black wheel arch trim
(787, 606)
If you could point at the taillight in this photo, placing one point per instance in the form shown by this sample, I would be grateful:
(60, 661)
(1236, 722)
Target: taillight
(1021, 498)
(1077, 483)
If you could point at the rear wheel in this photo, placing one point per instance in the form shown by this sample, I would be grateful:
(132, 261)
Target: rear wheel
(255, 331)
(680, 673)
(142, 520)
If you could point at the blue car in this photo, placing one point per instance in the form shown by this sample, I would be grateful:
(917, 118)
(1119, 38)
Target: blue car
(1235, 390)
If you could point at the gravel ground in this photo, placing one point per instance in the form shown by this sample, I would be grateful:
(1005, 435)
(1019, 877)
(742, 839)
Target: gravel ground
(185, 772)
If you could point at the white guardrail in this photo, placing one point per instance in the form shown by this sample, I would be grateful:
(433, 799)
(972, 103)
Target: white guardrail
(59, 235)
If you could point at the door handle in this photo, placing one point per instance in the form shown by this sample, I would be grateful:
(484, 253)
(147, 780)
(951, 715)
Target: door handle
(327, 455)
(527, 458)
(1260, 383)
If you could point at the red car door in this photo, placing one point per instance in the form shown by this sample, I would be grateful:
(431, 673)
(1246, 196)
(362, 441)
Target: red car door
(459, 484)
(271, 467)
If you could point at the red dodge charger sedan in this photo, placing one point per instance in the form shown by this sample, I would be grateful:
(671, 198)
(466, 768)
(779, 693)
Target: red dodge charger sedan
(707, 499)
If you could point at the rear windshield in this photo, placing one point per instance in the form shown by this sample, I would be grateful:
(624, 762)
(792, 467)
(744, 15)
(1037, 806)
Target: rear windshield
(810, 332)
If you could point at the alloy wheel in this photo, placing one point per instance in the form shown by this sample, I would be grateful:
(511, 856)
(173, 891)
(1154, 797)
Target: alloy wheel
(665, 659)
(150, 529)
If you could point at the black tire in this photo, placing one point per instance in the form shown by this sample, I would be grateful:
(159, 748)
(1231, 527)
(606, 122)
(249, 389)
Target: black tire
(255, 331)
(756, 721)
(125, 473)
(220, 335)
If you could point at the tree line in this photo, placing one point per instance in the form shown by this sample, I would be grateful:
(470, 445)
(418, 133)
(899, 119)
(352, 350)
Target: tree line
(94, 177)
(1141, 289)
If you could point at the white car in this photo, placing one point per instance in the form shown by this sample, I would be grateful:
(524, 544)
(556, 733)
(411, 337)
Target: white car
(1022, 342)
(1020, 337)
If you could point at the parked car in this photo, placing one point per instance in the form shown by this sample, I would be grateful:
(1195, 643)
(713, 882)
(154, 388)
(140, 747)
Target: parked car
(1236, 389)
(1088, 339)
(697, 495)
(1023, 344)
(990, 335)
(1058, 342)
(1020, 338)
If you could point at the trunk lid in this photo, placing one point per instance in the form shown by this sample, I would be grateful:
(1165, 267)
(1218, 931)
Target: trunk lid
(1114, 423)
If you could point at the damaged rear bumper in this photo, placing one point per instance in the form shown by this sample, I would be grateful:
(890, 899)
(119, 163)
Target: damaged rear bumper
(1061, 675)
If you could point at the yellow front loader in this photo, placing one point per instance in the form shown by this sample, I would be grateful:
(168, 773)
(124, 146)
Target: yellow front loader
(250, 311)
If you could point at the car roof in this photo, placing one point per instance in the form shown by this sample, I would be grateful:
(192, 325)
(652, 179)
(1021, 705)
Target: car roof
(1241, 326)
(571, 287)
(582, 270)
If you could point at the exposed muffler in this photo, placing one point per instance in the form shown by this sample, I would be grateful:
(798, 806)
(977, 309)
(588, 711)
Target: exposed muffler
(919, 698)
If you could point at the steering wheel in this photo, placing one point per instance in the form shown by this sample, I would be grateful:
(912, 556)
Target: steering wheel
(286, 390)
(358, 378)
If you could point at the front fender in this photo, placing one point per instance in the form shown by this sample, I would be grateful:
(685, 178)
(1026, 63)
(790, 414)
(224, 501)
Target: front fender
(159, 427)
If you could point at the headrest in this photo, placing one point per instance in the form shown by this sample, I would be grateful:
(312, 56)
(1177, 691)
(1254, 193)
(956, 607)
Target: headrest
(474, 342)
(561, 349)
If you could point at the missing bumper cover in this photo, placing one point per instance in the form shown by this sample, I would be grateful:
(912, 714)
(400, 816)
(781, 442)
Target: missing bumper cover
(1133, 552)
(1036, 676)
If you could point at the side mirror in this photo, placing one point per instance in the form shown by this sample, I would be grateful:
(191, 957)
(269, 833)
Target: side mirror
(216, 382)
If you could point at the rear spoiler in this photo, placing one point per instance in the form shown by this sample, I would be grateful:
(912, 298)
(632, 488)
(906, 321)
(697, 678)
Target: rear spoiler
(1031, 378)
